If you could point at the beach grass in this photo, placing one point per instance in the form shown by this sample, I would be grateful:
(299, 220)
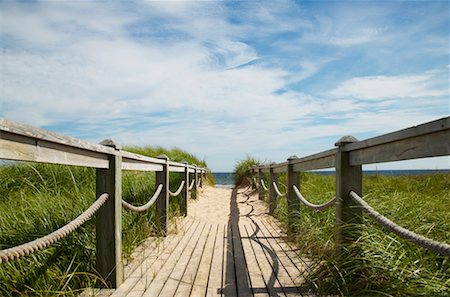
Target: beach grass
(36, 199)
(385, 265)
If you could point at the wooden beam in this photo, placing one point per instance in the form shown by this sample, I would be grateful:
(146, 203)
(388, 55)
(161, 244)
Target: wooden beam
(272, 193)
(348, 213)
(109, 223)
(292, 178)
(162, 202)
(422, 146)
(23, 148)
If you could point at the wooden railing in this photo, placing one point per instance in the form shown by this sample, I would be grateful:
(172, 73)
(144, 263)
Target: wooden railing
(25, 143)
(427, 140)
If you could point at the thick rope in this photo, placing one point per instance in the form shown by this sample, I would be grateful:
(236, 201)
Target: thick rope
(263, 185)
(255, 182)
(146, 206)
(192, 185)
(309, 204)
(432, 245)
(198, 183)
(43, 242)
(177, 192)
(277, 190)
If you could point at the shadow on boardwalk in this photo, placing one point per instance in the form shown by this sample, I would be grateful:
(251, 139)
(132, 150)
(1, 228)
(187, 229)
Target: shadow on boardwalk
(238, 276)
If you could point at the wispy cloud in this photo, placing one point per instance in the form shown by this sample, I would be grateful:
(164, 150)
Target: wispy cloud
(222, 78)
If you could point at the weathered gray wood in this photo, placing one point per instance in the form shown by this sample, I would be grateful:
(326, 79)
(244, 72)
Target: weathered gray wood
(279, 168)
(185, 192)
(162, 202)
(217, 264)
(260, 188)
(427, 145)
(52, 137)
(348, 213)
(22, 148)
(176, 169)
(201, 178)
(319, 163)
(194, 189)
(130, 164)
(292, 178)
(272, 193)
(109, 223)
(439, 125)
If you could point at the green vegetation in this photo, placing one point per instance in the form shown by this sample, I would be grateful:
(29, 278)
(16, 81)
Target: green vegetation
(36, 199)
(242, 170)
(386, 265)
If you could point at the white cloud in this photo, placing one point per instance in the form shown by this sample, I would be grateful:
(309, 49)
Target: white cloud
(385, 87)
(181, 74)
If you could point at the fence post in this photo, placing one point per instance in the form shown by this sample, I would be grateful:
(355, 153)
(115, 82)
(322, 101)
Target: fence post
(194, 189)
(109, 220)
(253, 178)
(272, 193)
(162, 202)
(260, 188)
(292, 179)
(348, 214)
(201, 178)
(185, 191)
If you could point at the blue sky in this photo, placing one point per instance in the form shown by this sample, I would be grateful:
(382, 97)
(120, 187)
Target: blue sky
(224, 79)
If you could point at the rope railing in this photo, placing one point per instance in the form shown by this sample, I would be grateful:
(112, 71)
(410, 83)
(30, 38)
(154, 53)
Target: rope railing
(263, 185)
(309, 204)
(277, 190)
(199, 182)
(430, 244)
(177, 192)
(146, 206)
(191, 186)
(43, 242)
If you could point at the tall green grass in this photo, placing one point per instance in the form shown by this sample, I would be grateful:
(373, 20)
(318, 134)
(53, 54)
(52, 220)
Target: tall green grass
(36, 199)
(386, 265)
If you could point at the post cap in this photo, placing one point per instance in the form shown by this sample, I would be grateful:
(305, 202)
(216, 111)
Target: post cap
(185, 162)
(111, 143)
(163, 157)
(293, 157)
(345, 139)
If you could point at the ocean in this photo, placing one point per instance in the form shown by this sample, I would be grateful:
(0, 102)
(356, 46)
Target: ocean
(225, 178)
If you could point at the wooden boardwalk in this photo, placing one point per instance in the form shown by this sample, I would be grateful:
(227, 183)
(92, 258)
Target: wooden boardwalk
(226, 246)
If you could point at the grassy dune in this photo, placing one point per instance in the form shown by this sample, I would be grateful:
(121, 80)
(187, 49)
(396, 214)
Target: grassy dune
(386, 265)
(36, 199)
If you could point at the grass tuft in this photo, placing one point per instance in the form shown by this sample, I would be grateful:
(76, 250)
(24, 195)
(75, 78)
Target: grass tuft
(36, 199)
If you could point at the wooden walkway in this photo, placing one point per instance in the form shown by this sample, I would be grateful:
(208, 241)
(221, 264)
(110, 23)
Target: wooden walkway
(226, 246)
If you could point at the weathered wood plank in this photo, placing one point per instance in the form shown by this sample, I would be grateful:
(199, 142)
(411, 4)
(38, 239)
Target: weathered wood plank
(130, 164)
(187, 282)
(319, 163)
(52, 137)
(268, 266)
(143, 275)
(229, 287)
(201, 279)
(254, 270)
(423, 146)
(20, 148)
(166, 255)
(162, 277)
(436, 126)
(217, 265)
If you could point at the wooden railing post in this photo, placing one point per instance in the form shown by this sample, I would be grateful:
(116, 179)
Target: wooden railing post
(109, 220)
(260, 188)
(348, 214)
(185, 191)
(201, 178)
(253, 178)
(162, 202)
(194, 189)
(292, 179)
(272, 194)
